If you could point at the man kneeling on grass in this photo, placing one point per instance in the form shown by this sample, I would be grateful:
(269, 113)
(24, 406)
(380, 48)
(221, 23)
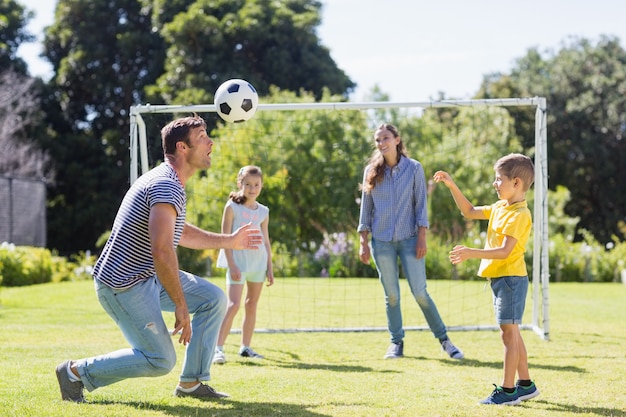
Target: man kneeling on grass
(137, 277)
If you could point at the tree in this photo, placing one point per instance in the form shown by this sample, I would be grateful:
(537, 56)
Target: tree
(103, 53)
(13, 21)
(20, 112)
(99, 74)
(585, 87)
(312, 162)
(451, 139)
(108, 55)
(265, 42)
(19, 109)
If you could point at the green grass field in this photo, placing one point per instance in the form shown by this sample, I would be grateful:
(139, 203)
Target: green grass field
(581, 371)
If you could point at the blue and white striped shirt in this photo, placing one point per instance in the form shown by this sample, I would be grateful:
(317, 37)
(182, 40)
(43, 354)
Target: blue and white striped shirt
(127, 256)
(396, 207)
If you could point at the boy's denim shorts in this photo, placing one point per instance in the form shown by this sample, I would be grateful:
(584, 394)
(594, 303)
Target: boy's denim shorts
(509, 298)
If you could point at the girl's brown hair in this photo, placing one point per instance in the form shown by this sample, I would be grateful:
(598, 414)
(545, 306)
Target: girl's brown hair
(238, 196)
(376, 161)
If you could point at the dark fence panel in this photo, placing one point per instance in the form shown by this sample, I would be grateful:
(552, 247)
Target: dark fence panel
(22, 211)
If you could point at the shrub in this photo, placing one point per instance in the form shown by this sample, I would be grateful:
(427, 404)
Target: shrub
(23, 265)
(337, 256)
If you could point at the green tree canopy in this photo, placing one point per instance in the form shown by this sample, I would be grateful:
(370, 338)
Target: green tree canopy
(585, 86)
(312, 163)
(103, 53)
(465, 142)
(108, 55)
(265, 42)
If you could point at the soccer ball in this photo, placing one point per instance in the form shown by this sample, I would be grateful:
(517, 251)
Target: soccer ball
(236, 100)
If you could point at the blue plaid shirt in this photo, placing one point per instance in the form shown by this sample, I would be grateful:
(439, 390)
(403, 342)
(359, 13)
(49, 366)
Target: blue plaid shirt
(396, 207)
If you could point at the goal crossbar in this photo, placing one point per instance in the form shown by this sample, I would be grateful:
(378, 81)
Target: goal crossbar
(540, 314)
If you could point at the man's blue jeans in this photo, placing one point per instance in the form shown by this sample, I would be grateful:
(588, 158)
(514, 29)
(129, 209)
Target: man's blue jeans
(386, 256)
(138, 313)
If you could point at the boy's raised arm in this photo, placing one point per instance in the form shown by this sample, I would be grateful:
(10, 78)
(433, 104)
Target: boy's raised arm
(467, 209)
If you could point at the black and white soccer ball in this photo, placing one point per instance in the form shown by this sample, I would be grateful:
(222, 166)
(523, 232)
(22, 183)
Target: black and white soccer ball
(236, 100)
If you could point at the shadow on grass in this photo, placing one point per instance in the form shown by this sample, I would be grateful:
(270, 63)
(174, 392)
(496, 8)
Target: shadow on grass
(323, 366)
(498, 365)
(294, 363)
(570, 409)
(222, 408)
(357, 368)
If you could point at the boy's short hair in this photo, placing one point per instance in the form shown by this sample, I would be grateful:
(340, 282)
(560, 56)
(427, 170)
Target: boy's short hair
(516, 165)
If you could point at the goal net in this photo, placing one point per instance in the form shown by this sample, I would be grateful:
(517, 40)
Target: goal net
(312, 155)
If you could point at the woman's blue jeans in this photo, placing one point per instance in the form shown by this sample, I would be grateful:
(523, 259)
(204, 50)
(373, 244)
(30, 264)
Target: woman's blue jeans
(138, 313)
(386, 256)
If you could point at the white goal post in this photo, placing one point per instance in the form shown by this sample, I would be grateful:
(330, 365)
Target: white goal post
(540, 324)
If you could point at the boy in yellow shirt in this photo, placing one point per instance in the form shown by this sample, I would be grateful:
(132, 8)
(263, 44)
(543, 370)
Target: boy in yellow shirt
(502, 262)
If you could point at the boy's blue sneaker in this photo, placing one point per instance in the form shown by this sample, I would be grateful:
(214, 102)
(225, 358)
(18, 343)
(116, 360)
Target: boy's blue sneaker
(499, 397)
(526, 393)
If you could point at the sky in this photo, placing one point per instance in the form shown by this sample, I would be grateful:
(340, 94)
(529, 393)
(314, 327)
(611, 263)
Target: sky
(415, 49)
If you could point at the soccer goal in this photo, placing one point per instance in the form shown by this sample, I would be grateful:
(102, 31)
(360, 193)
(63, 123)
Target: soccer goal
(313, 154)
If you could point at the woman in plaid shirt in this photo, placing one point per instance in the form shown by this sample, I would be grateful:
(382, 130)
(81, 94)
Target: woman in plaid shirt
(393, 210)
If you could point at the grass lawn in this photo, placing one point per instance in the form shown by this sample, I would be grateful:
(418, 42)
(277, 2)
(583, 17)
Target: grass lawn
(581, 371)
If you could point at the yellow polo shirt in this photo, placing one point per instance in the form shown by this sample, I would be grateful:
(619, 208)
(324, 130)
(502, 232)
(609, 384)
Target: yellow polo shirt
(504, 220)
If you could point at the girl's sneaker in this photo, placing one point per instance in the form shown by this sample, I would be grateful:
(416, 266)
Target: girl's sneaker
(526, 393)
(219, 357)
(247, 352)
